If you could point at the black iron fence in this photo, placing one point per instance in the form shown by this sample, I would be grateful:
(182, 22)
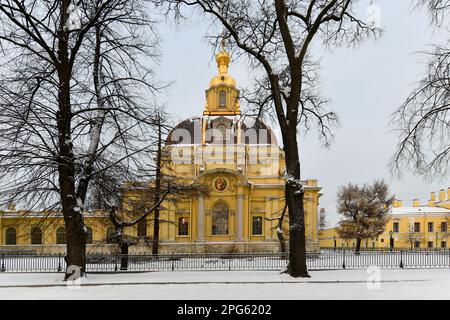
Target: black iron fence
(324, 260)
(378, 249)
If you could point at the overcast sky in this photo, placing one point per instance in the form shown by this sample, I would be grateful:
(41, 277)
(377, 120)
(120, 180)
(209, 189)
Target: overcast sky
(365, 85)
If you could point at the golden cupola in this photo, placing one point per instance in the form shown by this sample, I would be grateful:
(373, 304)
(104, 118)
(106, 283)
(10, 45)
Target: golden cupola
(222, 95)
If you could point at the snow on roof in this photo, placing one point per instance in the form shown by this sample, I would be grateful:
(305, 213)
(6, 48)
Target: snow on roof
(418, 210)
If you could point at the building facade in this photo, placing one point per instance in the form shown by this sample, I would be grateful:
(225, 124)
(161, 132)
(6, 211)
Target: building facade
(420, 226)
(240, 169)
(44, 232)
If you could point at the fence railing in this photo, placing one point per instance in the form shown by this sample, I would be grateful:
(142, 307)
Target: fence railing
(324, 260)
(378, 249)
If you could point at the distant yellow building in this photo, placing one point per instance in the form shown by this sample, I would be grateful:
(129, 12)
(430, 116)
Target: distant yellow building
(417, 226)
(43, 232)
(241, 167)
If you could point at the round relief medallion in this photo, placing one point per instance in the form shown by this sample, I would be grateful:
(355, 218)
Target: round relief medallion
(220, 184)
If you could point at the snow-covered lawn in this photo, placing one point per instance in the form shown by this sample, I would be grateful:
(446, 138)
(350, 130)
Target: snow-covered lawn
(334, 284)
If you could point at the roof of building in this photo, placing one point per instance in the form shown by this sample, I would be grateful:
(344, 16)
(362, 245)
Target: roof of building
(189, 132)
(418, 210)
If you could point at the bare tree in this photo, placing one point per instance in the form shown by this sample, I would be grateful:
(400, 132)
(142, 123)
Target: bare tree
(276, 37)
(161, 183)
(120, 221)
(423, 120)
(364, 209)
(280, 229)
(136, 200)
(162, 171)
(438, 9)
(70, 115)
(144, 205)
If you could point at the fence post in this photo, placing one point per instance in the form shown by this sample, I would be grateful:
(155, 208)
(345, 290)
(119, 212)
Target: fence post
(59, 262)
(173, 262)
(3, 263)
(401, 259)
(343, 258)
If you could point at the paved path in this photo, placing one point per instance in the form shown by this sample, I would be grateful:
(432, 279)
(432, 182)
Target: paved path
(338, 284)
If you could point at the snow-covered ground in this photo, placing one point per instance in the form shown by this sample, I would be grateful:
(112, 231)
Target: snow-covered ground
(334, 284)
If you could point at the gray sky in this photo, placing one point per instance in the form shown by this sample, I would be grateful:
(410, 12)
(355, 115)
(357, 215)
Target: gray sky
(365, 84)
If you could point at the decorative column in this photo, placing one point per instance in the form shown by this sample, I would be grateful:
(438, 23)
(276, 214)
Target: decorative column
(239, 217)
(267, 230)
(200, 217)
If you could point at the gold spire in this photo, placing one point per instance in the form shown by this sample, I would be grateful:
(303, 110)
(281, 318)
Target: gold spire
(222, 44)
(223, 59)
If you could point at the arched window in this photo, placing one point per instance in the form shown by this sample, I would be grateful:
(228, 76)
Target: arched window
(183, 226)
(11, 238)
(222, 98)
(110, 234)
(88, 235)
(220, 215)
(36, 236)
(61, 235)
(221, 134)
(142, 228)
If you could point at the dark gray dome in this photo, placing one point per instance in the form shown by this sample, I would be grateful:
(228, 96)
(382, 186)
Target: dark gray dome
(253, 131)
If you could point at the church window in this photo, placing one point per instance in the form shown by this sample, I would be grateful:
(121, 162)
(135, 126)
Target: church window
(220, 215)
(61, 235)
(110, 234)
(222, 98)
(183, 226)
(36, 236)
(257, 223)
(89, 235)
(142, 228)
(11, 237)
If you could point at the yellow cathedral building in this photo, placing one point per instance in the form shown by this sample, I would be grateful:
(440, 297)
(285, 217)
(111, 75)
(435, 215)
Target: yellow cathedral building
(240, 167)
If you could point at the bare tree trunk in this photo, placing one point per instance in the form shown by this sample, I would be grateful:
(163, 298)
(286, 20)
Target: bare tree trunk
(97, 123)
(73, 218)
(75, 235)
(155, 245)
(280, 231)
(124, 259)
(157, 194)
(282, 242)
(358, 245)
(294, 194)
